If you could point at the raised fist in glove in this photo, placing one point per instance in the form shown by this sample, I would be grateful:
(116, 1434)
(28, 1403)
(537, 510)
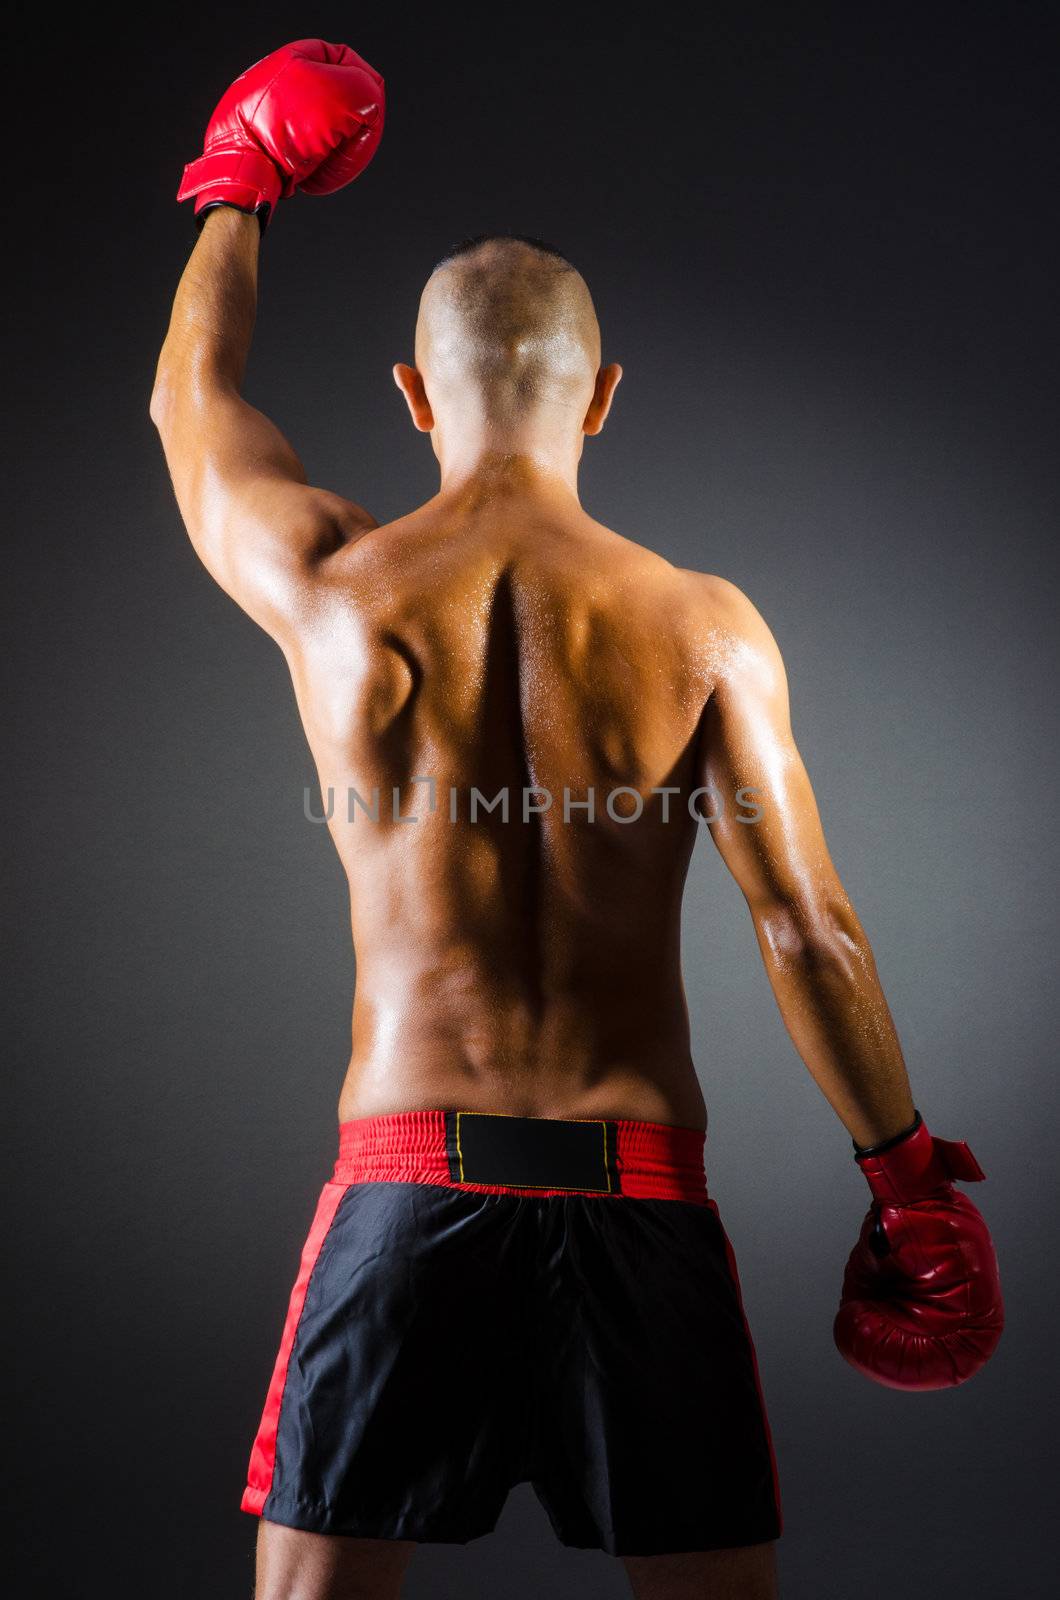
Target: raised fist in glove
(309, 116)
(921, 1304)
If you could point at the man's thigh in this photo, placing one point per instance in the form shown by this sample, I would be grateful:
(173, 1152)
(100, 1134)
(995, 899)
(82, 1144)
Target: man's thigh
(749, 1573)
(293, 1565)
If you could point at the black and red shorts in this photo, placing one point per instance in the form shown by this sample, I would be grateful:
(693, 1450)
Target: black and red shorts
(486, 1300)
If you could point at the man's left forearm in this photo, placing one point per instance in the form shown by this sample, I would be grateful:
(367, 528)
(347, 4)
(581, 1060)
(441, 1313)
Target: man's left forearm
(212, 324)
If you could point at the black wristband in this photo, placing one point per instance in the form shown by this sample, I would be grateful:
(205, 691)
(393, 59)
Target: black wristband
(887, 1144)
(261, 212)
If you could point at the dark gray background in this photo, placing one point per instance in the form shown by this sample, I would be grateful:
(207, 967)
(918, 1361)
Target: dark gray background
(822, 244)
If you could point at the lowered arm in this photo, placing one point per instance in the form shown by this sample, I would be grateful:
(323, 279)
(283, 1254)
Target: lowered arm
(818, 959)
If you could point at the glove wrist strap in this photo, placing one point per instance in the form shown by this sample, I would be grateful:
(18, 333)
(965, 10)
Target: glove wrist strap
(887, 1144)
(914, 1165)
(246, 179)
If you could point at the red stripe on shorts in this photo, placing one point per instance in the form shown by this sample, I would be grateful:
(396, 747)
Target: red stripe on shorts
(263, 1453)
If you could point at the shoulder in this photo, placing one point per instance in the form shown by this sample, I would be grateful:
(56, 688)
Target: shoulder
(718, 601)
(725, 614)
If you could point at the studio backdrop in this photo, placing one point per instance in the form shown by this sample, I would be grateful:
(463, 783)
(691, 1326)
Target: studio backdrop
(821, 241)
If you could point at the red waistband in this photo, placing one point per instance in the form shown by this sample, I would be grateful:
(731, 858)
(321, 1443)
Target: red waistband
(652, 1160)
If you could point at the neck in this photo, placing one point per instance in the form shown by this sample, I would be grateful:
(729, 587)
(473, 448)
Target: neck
(518, 458)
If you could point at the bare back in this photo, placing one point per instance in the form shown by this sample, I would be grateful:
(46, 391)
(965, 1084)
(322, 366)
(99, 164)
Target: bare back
(499, 640)
(472, 673)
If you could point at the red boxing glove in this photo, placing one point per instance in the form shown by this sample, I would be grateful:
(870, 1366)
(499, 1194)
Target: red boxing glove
(921, 1304)
(309, 116)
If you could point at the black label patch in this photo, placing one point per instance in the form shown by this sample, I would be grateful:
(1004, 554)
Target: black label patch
(531, 1152)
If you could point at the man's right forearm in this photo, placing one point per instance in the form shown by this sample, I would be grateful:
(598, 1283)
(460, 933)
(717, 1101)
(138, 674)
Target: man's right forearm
(824, 977)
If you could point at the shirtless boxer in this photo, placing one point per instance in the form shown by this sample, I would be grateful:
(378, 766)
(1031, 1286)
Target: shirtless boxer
(515, 1272)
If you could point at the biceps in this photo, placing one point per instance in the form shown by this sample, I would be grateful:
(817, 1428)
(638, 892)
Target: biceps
(263, 545)
(779, 859)
(258, 527)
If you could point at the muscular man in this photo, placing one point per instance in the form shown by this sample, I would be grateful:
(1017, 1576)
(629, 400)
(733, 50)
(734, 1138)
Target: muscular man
(521, 722)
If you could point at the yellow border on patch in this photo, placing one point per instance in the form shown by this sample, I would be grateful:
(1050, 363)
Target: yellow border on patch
(600, 1122)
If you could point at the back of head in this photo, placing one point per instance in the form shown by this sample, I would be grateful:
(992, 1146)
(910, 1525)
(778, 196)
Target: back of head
(507, 321)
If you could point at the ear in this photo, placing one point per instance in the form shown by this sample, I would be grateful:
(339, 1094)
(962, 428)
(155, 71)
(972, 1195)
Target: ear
(607, 381)
(410, 383)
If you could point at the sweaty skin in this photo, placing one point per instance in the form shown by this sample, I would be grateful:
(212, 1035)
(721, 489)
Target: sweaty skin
(498, 638)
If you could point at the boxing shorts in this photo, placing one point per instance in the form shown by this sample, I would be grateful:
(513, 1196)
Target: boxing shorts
(487, 1300)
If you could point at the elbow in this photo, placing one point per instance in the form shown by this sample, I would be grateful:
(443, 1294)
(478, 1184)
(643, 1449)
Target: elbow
(819, 938)
(170, 389)
(160, 407)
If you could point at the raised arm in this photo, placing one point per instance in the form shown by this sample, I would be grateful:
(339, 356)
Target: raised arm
(815, 951)
(257, 525)
(307, 116)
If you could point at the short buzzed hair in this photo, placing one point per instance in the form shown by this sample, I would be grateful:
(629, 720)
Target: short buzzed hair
(467, 246)
(508, 317)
